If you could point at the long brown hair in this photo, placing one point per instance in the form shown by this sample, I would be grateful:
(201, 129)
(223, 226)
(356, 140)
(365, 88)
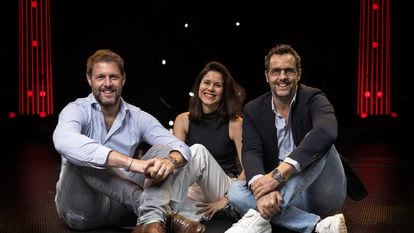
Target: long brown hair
(231, 103)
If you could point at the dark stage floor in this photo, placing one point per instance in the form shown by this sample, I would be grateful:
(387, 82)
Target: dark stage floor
(30, 166)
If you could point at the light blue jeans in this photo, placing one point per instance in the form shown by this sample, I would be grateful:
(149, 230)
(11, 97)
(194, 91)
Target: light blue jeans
(88, 198)
(308, 196)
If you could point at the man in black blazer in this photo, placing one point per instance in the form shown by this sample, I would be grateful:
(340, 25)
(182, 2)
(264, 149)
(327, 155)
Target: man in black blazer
(295, 176)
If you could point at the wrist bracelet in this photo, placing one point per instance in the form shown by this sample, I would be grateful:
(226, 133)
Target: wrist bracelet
(130, 164)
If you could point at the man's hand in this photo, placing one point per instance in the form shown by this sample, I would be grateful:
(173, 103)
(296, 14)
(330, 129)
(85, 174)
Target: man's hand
(269, 204)
(158, 171)
(263, 185)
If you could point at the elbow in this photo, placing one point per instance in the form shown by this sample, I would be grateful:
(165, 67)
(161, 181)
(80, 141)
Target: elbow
(59, 141)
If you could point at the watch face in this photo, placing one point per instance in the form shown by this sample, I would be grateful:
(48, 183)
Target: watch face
(276, 175)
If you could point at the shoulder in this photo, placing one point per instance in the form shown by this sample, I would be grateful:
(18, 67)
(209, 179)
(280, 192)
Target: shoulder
(180, 128)
(139, 116)
(182, 121)
(307, 96)
(135, 111)
(309, 91)
(236, 125)
(79, 105)
(236, 122)
(260, 101)
(182, 117)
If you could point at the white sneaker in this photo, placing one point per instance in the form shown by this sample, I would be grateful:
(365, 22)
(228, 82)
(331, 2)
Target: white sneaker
(251, 222)
(332, 224)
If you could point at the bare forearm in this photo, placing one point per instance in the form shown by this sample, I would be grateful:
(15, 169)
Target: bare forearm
(116, 159)
(119, 160)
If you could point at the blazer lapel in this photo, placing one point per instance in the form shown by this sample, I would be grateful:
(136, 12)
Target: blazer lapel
(268, 123)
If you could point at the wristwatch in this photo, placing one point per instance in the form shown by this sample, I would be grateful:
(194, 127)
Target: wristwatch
(172, 160)
(277, 176)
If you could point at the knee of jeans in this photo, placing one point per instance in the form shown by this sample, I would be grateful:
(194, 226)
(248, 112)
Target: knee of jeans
(75, 221)
(236, 191)
(329, 205)
(237, 187)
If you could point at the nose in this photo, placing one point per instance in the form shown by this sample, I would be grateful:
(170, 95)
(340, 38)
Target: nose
(283, 73)
(210, 87)
(107, 81)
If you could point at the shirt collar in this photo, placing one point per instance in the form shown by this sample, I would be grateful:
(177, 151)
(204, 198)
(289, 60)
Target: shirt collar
(291, 103)
(124, 106)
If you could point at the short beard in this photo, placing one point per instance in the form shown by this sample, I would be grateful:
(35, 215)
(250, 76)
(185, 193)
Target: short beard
(105, 103)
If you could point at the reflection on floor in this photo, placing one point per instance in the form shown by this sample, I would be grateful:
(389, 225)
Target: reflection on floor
(30, 167)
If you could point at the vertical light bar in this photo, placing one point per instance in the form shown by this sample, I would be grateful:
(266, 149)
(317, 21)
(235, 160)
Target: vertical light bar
(35, 64)
(374, 81)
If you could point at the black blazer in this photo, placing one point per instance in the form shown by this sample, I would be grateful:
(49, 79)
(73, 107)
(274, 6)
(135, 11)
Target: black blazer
(314, 129)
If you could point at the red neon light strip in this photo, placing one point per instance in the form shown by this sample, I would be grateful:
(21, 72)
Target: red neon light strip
(388, 57)
(374, 59)
(35, 68)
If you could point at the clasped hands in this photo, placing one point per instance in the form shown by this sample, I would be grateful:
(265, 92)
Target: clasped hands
(155, 169)
(268, 199)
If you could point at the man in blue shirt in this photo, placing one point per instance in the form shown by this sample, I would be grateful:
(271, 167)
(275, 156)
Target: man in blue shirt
(101, 183)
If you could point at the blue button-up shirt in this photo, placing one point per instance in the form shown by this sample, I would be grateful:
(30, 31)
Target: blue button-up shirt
(82, 138)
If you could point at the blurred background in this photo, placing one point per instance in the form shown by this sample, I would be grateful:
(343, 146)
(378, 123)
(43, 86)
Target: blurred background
(187, 34)
(166, 43)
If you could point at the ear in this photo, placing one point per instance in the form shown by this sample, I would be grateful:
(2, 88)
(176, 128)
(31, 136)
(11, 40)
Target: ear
(299, 74)
(89, 80)
(123, 81)
(267, 77)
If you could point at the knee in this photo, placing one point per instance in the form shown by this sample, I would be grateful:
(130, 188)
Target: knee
(157, 151)
(240, 197)
(198, 149)
(329, 204)
(199, 152)
(237, 191)
(75, 221)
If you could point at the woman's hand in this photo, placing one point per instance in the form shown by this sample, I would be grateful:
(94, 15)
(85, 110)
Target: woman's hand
(210, 209)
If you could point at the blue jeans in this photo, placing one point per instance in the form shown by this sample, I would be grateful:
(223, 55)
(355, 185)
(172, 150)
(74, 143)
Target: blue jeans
(88, 198)
(308, 196)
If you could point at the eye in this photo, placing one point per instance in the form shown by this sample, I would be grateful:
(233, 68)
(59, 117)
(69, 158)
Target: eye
(275, 71)
(290, 71)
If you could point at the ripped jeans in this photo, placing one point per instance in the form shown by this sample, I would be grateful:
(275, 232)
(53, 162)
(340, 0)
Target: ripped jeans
(89, 198)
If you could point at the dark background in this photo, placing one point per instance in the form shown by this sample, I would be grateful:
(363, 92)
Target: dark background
(325, 33)
(144, 32)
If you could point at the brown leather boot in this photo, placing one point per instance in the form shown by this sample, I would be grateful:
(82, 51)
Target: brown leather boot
(181, 224)
(155, 227)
